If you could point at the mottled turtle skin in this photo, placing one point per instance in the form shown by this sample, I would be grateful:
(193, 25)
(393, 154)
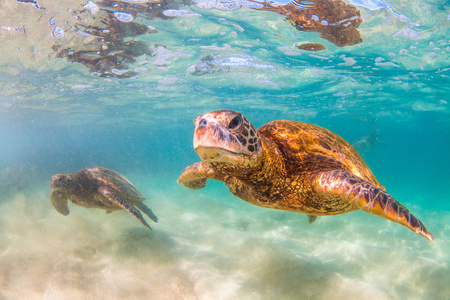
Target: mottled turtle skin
(98, 188)
(290, 166)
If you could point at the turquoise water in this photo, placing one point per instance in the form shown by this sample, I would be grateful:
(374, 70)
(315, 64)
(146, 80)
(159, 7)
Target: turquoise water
(134, 111)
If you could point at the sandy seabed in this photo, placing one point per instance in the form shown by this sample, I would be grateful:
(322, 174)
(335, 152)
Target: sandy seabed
(214, 246)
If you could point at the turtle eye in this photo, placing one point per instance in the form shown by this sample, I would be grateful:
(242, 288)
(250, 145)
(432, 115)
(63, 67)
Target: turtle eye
(235, 122)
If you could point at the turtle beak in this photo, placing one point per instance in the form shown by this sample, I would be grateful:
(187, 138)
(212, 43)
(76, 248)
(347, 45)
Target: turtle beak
(206, 143)
(205, 134)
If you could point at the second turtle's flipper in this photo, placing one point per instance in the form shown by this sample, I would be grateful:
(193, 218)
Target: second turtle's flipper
(366, 196)
(59, 202)
(146, 210)
(115, 197)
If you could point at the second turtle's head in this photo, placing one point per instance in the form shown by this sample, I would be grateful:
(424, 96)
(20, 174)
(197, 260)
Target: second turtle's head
(62, 181)
(226, 136)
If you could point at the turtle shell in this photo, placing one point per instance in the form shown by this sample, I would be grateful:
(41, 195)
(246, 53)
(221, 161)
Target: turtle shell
(113, 179)
(310, 147)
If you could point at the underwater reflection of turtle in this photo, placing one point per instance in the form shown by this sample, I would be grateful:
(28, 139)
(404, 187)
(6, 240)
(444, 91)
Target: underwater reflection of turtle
(335, 20)
(290, 166)
(98, 188)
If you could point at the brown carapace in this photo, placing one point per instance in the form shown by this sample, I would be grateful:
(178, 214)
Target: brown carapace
(290, 166)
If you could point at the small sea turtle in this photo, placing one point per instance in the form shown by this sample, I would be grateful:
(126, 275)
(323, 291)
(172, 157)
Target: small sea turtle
(290, 166)
(98, 188)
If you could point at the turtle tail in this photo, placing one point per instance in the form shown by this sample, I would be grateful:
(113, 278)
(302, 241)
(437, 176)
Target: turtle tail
(370, 198)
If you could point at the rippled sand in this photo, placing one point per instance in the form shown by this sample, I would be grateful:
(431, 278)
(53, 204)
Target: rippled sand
(208, 246)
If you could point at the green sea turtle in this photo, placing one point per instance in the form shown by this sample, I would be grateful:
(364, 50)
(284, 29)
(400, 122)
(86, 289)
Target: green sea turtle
(98, 188)
(290, 166)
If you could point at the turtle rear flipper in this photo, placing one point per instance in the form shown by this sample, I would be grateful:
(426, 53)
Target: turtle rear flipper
(146, 210)
(368, 197)
(115, 197)
(59, 202)
(311, 219)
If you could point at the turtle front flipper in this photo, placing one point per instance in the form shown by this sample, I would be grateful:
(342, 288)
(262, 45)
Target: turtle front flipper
(115, 197)
(196, 175)
(146, 210)
(366, 196)
(59, 202)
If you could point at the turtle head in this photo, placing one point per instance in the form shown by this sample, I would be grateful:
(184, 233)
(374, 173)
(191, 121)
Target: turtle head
(227, 137)
(62, 181)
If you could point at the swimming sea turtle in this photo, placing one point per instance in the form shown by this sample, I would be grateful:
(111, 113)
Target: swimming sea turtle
(98, 188)
(290, 166)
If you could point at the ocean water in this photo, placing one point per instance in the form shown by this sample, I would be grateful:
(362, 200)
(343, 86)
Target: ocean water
(118, 84)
